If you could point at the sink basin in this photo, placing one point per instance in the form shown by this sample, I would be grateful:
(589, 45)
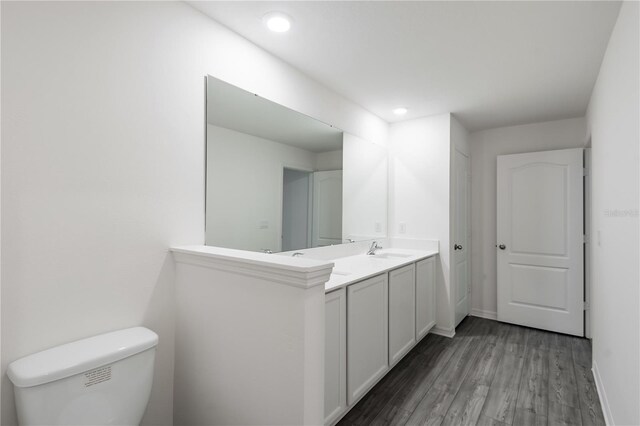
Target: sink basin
(393, 255)
(359, 264)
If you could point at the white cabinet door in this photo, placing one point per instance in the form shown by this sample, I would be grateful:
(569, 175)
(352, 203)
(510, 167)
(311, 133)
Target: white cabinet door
(402, 312)
(540, 240)
(425, 296)
(335, 355)
(367, 327)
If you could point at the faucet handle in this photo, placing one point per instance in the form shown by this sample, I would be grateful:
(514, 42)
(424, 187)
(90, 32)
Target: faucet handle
(372, 249)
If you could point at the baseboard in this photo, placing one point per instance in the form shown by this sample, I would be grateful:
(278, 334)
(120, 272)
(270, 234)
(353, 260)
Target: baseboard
(602, 396)
(443, 331)
(484, 314)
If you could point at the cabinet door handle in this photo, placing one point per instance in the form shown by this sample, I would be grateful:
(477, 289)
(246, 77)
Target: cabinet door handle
(457, 247)
(502, 247)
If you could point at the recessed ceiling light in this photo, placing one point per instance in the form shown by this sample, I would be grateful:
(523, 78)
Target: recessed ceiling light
(400, 111)
(277, 22)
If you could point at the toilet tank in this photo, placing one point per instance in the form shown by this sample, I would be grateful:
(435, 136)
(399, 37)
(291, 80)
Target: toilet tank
(102, 380)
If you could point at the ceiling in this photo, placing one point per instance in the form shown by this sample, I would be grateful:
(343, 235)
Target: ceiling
(236, 109)
(492, 64)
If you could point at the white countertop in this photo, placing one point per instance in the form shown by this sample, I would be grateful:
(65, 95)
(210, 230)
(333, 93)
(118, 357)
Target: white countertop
(255, 258)
(306, 272)
(348, 270)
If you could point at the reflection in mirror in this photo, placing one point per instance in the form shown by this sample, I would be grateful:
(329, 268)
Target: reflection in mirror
(365, 189)
(274, 176)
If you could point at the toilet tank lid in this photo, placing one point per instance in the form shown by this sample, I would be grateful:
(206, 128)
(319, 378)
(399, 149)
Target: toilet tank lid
(80, 356)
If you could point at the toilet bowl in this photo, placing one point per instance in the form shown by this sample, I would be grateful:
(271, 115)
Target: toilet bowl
(102, 380)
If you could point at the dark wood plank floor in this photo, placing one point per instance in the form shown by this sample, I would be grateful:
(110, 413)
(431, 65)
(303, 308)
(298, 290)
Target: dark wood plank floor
(490, 373)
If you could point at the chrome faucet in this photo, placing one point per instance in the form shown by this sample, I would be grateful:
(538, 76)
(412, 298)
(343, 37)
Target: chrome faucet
(296, 254)
(373, 248)
(268, 251)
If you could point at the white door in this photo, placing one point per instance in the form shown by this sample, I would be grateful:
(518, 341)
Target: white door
(402, 312)
(461, 235)
(540, 238)
(367, 335)
(327, 208)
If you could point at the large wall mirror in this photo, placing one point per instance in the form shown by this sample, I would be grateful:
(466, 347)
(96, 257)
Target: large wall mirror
(278, 180)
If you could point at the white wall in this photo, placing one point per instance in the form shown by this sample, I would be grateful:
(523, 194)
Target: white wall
(459, 138)
(364, 188)
(419, 193)
(614, 120)
(244, 188)
(103, 164)
(331, 160)
(486, 145)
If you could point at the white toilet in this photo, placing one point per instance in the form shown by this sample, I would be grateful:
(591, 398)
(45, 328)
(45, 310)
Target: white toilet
(102, 380)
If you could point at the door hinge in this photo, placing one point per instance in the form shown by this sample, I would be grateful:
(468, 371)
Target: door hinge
(587, 306)
(585, 171)
(585, 238)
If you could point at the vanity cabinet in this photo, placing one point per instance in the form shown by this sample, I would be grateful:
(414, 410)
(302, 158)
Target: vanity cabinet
(370, 325)
(335, 355)
(425, 296)
(402, 312)
(367, 335)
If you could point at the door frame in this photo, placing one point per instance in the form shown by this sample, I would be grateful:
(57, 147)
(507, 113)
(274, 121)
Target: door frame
(587, 239)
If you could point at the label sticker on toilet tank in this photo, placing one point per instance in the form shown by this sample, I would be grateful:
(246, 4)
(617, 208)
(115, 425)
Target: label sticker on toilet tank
(98, 375)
